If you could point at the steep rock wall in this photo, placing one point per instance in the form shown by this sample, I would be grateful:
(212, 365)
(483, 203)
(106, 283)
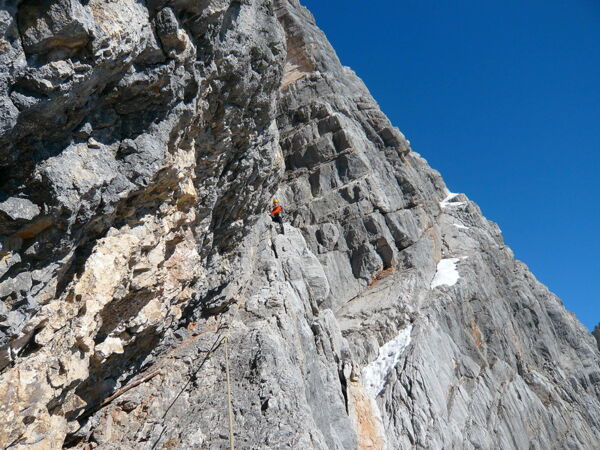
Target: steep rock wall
(141, 143)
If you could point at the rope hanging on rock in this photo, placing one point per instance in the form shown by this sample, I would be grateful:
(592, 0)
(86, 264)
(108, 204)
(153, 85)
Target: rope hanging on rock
(229, 408)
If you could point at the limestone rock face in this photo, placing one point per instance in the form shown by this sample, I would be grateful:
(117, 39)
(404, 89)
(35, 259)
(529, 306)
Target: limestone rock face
(141, 143)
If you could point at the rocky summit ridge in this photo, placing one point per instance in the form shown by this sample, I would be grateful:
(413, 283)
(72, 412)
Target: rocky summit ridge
(141, 143)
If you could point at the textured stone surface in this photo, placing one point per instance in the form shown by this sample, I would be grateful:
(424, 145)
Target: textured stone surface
(140, 146)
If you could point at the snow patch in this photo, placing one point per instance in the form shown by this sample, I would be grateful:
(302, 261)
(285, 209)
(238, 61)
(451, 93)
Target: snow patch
(446, 274)
(375, 374)
(460, 226)
(448, 201)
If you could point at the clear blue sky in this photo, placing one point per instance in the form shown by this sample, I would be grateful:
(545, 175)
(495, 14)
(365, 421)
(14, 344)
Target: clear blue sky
(503, 98)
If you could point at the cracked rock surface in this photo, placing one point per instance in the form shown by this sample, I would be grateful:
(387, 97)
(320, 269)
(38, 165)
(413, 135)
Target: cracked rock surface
(141, 143)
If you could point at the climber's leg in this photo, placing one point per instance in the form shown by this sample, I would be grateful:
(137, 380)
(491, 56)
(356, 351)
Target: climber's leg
(277, 218)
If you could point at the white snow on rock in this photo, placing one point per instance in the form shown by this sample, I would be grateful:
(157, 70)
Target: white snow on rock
(375, 374)
(447, 274)
(460, 226)
(448, 201)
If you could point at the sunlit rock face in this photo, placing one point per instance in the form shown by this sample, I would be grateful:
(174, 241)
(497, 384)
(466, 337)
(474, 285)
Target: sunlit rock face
(141, 144)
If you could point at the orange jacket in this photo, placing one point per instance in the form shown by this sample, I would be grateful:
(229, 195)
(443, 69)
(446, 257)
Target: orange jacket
(276, 210)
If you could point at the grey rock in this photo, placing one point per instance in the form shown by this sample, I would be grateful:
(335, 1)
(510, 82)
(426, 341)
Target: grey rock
(19, 209)
(169, 32)
(46, 26)
(8, 115)
(8, 261)
(145, 142)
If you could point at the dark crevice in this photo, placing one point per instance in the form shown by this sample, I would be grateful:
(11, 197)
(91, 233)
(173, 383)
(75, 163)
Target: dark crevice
(264, 406)
(203, 307)
(344, 386)
(31, 346)
(75, 266)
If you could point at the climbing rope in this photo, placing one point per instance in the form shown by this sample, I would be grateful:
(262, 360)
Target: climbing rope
(220, 340)
(217, 343)
(229, 408)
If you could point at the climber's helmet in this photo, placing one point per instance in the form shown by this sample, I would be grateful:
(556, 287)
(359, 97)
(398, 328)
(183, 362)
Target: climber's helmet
(275, 202)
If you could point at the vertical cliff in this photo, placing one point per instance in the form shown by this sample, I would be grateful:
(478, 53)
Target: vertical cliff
(141, 143)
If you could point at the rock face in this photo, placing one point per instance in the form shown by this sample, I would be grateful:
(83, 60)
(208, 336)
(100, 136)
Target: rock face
(141, 143)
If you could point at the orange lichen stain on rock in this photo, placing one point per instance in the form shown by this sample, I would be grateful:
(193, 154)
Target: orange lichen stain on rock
(298, 64)
(34, 228)
(381, 274)
(476, 333)
(365, 417)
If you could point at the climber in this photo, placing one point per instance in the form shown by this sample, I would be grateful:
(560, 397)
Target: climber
(277, 214)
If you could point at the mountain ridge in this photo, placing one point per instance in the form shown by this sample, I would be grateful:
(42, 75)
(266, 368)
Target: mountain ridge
(145, 142)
